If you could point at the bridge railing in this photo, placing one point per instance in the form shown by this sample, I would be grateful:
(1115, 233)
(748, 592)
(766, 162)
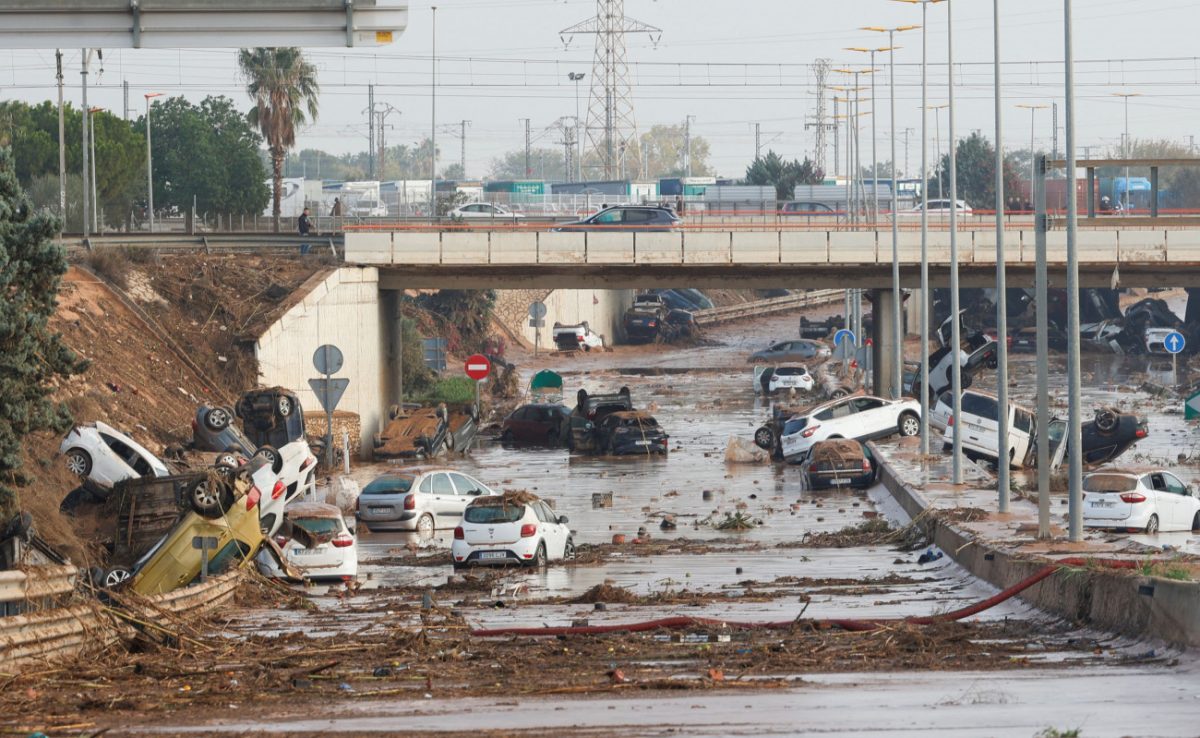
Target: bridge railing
(712, 247)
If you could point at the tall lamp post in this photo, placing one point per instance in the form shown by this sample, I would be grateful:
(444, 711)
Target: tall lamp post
(95, 190)
(1032, 133)
(1002, 477)
(856, 164)
(1127, 149)
(897, 319)
(925, 297)
(577, 77)
(874, 157)
(149, 163)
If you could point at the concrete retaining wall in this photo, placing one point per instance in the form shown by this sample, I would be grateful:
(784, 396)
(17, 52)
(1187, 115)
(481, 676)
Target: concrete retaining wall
(1138, 606)
(343, 310)
(602, 309)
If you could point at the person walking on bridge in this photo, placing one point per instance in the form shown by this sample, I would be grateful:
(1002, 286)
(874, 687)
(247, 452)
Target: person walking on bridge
(305, 227)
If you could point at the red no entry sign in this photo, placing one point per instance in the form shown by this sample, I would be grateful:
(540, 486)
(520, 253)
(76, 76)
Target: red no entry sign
(478, 367)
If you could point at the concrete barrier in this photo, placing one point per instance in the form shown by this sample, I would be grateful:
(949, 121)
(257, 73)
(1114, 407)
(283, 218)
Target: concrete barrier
(658, 248)
(465, 247)
(754, 247)
(707, 247)
(369, 248)
(1183, 246)
(610, 248)
(1137, 606)
(509, 247)
(803, 247)
(1142, 246)
(415, 247)
(852, 248)
(561, 248)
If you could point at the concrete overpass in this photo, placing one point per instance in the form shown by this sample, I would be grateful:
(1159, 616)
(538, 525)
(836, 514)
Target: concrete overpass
(797, 259)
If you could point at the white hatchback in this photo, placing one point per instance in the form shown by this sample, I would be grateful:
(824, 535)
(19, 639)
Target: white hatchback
(316, 542)
(859, 418)
(103, 456)
(511, 529)
(1139, 502)
(418, 499)
(770, 380)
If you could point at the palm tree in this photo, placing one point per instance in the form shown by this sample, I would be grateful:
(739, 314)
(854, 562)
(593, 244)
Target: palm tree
(283, 86)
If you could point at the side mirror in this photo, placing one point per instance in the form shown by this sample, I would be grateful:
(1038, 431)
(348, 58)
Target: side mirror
(475, 492)
(562, 519)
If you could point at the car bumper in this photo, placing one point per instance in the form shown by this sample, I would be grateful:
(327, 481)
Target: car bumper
(833, 481)
(325, 566)
(492, 554)
(654, 446)
(406, 520)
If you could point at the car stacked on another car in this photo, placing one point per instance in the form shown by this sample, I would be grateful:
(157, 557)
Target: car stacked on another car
(797, 349)
(861, 418)
(421, 499)
(102, 456)
(589, 411)
(513, 528)
(631, 432)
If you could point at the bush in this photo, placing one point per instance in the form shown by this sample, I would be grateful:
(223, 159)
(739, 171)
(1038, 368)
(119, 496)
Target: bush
(110, 264)
(452, 391)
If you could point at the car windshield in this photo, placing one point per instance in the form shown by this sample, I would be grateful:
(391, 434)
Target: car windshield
(389, 485)
(981, 405)
(795, 425)
(494, 513)
(1109, 483)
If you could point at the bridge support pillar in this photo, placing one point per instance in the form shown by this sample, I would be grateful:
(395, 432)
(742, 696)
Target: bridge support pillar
(883, 350)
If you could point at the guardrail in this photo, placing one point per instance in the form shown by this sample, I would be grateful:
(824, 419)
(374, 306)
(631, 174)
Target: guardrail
(715, 316)
(208, 242)
(20, 588)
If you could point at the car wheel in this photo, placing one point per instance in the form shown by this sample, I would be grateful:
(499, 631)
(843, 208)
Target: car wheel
(910, 425)
(217, 419)
(284, 405)
(425, 526)
(272, 456)
(1152, 525)
(394, 412)
(764, 438)
(569, 551)
(114, 577)
(1106, 421)
(79, 462)
(539, 557)
(838, 393)
(506, 436)
(209, 499)
(227, 460)
(1196, 523)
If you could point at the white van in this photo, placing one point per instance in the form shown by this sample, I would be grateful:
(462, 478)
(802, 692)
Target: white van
(980, 419)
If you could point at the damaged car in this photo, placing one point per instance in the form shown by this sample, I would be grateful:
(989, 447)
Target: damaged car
(771, 379)
(102, 456)
(631, 432)
(576, 337)
(513, 528)
(589, 411)
(315, 540)
(418, 432)
(840, 463)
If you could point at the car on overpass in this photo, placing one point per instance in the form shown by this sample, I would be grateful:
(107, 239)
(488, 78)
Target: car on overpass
(626, 218)
(483, 210)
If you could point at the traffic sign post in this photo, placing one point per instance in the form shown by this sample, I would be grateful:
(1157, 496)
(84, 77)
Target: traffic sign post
(204, 544)
(843, 348)
(328, 360)
(1174, 343)
(537, 319)
(478, 367)
(1191, 408)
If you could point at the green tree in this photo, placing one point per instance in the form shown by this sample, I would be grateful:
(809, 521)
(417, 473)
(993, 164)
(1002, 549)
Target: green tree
(32, 357)
(547, 164)
(976, 173)
(665, 149)
(783, 175)
(283, 86)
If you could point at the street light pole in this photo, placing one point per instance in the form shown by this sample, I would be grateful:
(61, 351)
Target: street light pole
(95, 196)
(1073, 437)
(955, 321)
(149, 163)
(1032, 134)
(433, 214)
(1127, 148)
(576, 77)
(1002, 477)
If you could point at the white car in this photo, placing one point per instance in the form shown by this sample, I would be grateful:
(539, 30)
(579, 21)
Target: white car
(576, 337)
(103, 456)
(421, 499)
(1139, 502)
(295, 466)
(981, 427)
(860, 418)
(770, 380)
(940, 412)
(516, 528)
(937, 209)
(316, 542)
(484, 210)
(369, 209)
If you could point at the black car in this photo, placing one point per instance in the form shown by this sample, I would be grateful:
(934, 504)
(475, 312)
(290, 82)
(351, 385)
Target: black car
(271, 417)
(630, 432)
(1108, 435)
(840, 463)
(587, 415)
(542, 423)
(643, 325)
(633, 218)
(1024, 340)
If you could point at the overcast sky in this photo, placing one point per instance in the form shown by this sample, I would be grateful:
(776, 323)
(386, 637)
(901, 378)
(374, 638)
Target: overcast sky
(729, 64)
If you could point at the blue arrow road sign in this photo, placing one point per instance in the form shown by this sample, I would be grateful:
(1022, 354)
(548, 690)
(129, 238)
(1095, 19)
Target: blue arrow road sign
(843, 335)
(1174, 342)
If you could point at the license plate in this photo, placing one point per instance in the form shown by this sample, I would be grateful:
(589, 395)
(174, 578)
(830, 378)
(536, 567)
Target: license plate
(380, 509)
(643, 443)
(839, 481)
(1103, 503)
(305, 551)
(493, 555)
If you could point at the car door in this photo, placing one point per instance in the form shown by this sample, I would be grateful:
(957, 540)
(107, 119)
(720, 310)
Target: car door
(873, 418)
(609, 220)
(465, 489)
(110, 468)
(1177, 497)
(639, 220)
(552, 531)
(447, 505)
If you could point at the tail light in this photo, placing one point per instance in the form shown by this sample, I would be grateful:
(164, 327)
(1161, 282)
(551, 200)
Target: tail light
(277, 490)
(1141, 433)
(343, 541)
(195, 425)
(866, 465)
(950, 421)
(651, 324)
(308, 462)
(252, 497)
(281, 541)
(1133, 497)
(410, 502)
(459, 535)
(529, 530)
(808, 432)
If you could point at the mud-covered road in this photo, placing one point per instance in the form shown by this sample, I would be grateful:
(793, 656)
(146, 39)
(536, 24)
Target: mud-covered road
(394, 658)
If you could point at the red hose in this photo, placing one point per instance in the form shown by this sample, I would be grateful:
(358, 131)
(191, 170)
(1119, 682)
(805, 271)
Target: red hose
(680, 622)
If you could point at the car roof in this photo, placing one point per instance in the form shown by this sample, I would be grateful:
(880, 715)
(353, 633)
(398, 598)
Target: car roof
(415, 471)
(312, 510)
(840, 400)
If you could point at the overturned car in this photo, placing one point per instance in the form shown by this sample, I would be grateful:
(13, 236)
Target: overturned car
(417, 432)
